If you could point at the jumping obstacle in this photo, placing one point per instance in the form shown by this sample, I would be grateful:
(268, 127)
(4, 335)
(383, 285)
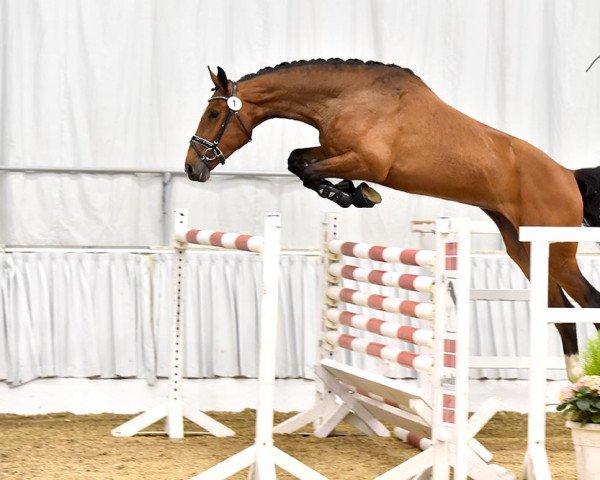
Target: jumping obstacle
(536, 465)
(368, 400)
(262, 457)
(175, 409)
(425, 229)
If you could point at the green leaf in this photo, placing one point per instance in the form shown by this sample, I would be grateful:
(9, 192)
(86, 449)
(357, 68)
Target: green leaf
(583, 404)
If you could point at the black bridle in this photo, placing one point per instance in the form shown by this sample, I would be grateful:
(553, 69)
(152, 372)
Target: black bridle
(212, 150)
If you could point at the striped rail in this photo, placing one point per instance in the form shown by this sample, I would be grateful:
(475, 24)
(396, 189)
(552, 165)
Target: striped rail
(416, 336)
(422, 363)
(233, 241)
(412, 438)
(406, 256)
(406, 281)
(438, 422)
(423, 443)
(410, 308)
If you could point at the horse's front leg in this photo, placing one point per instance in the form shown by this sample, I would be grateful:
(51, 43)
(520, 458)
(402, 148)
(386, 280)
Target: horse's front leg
(313, 166)
(300, 158)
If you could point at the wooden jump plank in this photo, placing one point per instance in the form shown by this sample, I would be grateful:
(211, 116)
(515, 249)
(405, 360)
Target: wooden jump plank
(394, 390)
(395, 416)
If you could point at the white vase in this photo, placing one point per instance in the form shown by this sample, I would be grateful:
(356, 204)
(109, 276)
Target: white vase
(586, 439)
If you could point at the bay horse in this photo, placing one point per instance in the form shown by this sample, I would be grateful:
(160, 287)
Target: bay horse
(382, 124)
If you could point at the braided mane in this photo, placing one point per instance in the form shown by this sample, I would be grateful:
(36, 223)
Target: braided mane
(320, 61)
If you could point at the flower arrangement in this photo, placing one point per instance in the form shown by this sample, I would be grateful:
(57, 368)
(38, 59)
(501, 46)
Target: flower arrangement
(580, 402)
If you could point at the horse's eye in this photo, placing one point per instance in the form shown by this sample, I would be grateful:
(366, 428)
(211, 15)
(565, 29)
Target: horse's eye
(213, 114)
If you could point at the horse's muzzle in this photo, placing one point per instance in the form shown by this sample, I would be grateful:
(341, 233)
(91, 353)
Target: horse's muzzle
(199, 173)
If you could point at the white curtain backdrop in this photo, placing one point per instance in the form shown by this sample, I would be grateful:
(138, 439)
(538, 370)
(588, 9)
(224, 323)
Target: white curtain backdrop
(117, 83)
(109, 315)
(122, 84)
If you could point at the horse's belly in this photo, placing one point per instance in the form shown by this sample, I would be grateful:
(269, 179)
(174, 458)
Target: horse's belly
(456, 184)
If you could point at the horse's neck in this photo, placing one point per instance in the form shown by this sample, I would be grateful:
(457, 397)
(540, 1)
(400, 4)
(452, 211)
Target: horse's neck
(294, 95)
(280, 96)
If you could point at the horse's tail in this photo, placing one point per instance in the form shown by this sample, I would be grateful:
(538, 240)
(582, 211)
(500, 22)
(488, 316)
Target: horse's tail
(588, 181)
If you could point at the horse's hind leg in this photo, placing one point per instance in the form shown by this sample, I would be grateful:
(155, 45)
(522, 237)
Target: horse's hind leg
(519, 253)
(565, 271)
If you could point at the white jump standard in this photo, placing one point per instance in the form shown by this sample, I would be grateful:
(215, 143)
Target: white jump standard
(536, 460)
(262, 457)
(175, 409)
(368, 400)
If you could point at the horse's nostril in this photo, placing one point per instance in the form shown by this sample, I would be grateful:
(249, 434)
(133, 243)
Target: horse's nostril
(188, 169)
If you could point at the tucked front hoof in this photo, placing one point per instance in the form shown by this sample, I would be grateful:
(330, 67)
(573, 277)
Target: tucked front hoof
(327, 190)
(365, 197)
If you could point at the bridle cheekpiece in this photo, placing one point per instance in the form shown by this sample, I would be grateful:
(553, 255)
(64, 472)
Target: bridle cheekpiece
(212, 150)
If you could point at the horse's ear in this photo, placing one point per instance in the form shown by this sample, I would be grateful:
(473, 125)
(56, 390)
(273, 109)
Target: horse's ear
(220, 79)
(214, 78)
(222, 76)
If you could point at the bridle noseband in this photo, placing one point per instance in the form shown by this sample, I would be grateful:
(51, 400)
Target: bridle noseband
(212, 150)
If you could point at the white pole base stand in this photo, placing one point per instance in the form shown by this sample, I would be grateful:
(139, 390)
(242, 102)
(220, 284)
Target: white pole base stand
(313, 415)
(262, 461)
(536, 466)
(418, 466)
(174, 412)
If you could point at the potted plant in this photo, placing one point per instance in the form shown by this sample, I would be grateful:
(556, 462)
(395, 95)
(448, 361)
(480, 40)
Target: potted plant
(580, 402)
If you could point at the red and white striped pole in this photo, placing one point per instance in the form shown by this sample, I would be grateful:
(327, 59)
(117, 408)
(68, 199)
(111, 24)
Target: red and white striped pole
(406, 281)
(406, 256)
(422, 363)
(416, 336)
(410, 308)
(233, 241)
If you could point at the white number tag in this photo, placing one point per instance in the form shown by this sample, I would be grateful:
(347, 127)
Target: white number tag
(234, 103)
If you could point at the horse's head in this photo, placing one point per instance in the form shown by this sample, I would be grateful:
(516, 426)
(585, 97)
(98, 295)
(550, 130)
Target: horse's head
(217, 135)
